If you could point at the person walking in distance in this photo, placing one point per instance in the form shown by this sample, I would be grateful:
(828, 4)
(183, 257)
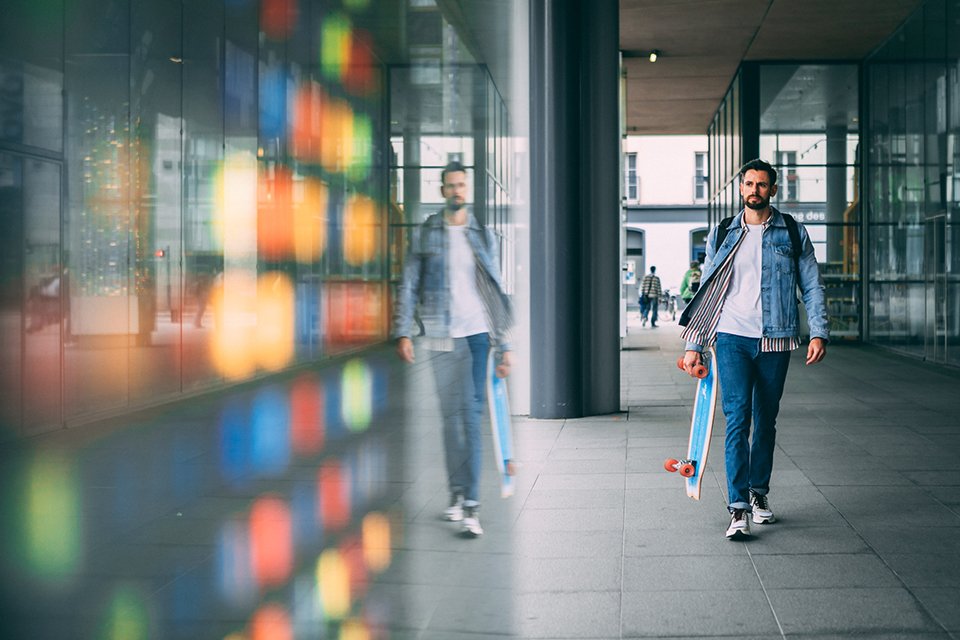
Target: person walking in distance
(690, 283)
(451, 280)
(747, 307)
(650, 297)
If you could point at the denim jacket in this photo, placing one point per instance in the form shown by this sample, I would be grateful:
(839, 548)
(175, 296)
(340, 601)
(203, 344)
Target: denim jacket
(425, 287)
(779, 280)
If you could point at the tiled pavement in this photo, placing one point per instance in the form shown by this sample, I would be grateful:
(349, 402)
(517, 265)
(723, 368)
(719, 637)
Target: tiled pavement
(230, 517)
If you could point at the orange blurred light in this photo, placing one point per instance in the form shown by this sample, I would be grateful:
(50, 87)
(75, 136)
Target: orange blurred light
(276, 320)
(271, 546)
(361, 230)
(271, 622)
(337, 136)
(376, 541)
(306, 412)
(278, 18)
(275, 213)
(334, 580)
(334, 494)
(310, 220)
(306, 131)
(355, 313)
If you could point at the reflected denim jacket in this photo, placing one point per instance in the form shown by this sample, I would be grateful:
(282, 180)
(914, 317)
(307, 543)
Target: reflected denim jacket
(425, 288)
(779, 279)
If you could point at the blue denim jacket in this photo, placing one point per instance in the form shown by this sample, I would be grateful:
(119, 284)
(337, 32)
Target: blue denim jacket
(779, 280)
(425, 287)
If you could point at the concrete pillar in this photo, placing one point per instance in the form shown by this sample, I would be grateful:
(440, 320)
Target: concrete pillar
(574, 248)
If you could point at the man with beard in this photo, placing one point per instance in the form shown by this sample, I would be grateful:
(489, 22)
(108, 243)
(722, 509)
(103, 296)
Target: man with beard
(451, 279)
(746, 307)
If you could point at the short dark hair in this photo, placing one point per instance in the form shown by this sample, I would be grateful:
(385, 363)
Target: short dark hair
(452, 167)
(759, 165)
(653, 269)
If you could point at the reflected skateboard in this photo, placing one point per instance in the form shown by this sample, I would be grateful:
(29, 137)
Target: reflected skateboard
(701, 425)
(500, 425)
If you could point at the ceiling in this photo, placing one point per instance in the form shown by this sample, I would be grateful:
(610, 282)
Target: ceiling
(702, 43)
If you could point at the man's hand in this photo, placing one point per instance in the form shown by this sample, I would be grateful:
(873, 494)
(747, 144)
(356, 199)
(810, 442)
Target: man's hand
(690, 360)
(816, 351)
(405, 350)
(503, 368)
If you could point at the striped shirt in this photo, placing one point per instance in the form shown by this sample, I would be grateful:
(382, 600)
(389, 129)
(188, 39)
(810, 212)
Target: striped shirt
(702, 328)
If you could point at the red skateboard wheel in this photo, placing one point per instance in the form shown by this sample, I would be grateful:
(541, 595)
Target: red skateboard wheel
(700, 371)
(686, 470)
(680, 363)
(671, 464)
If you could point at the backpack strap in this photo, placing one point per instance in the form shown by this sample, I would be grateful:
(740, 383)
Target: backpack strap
(722, 228)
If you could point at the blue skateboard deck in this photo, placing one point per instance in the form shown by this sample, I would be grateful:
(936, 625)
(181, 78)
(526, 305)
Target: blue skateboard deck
(701, 428)
(499, 403)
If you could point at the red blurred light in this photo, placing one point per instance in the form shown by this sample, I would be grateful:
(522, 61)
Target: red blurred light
(271, 541)
(306, 412)
(160, 253)
(334, 493)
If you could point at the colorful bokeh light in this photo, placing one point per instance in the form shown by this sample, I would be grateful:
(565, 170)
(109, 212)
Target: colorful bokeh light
(271, 541)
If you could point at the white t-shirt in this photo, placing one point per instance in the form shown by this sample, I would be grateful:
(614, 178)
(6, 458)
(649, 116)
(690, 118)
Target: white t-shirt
(742, 313)
(467, 314)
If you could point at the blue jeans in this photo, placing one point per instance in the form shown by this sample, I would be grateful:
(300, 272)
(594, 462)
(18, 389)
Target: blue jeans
(461, 384)
(751, 385)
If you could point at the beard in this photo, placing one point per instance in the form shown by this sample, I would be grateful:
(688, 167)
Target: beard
(757, 203)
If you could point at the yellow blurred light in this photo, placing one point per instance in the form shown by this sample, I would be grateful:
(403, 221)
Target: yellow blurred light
(357, 385)
(335, 37)
(275, 321)
(376, 541)
(52, 520)
(310, 220)
(360, 230)
(333, 577)
(336, 144)
(235, 311)
(235, 212)
(354, 629)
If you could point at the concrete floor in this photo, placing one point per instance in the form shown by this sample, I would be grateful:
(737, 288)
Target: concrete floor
(308, 506)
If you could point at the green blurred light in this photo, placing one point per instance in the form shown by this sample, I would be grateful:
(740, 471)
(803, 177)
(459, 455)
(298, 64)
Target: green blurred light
(335, 46)
(51, 519)
(127, 616)
(361, 158)
(357, 385)
(356, 5)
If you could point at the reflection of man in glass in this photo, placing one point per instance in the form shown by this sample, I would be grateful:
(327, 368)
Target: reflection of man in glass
(451, 278)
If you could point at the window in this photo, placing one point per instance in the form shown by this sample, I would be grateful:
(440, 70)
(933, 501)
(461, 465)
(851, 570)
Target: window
(700, 176)
(630, 181)
(789, 180)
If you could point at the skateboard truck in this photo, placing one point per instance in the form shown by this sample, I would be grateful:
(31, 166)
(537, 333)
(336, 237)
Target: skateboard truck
(686, 467)
(699, 371)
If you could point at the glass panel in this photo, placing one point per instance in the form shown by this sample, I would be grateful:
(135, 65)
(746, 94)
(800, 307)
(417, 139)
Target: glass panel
(31, 74)
(12, 293)
(105, 300)
(194, 227)
(156, 166)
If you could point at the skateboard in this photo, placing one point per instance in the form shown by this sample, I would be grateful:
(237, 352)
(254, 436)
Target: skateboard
(499, 403)
(701, 425)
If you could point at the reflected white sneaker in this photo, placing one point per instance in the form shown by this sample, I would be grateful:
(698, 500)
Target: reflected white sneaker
(761, 509)
(454, 513)
(471, 522)
(739, 528)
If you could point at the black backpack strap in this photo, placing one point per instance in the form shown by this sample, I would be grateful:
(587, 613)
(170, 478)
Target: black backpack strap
(794, 230)
(722, 230)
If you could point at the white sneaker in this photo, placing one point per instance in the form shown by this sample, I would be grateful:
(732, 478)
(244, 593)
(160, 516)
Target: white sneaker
(454, 513)
(761, 509)
(471, 522)
(739, 525)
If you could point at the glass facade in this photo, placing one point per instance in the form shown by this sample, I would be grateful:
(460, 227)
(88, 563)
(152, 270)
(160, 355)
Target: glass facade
(194, 195)
(912, 177)
(804, 119)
